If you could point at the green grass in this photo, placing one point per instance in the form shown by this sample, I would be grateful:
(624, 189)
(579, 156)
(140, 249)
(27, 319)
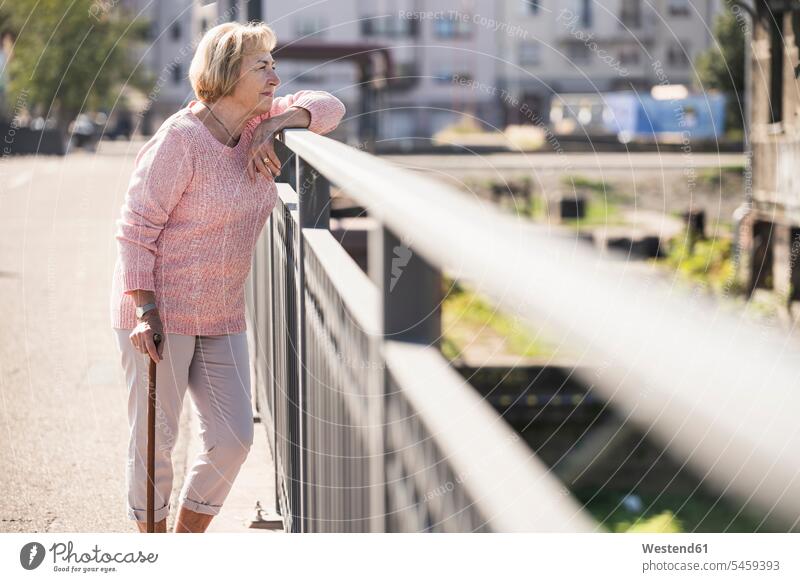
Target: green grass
(708, 262)
(466, 314)
(602, 205)
(736, 134)
(709, 177)
(582, 182)
(450, 348)
(535, 208)
(598, 213)
(670, 513)
(714, 176)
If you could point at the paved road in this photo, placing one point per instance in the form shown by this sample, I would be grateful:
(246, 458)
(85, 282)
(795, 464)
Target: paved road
(63, 426)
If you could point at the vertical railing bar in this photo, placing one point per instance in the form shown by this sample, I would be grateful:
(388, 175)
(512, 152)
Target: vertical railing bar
(295, 319)
(313, 195)
(289, 342)
(272, 358)
(279, 334)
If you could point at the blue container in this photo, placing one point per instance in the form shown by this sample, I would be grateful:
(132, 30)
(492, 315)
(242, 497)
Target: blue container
(640, 117)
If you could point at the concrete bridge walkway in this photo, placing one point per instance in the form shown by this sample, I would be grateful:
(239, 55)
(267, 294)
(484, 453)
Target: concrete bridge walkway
(63, 426)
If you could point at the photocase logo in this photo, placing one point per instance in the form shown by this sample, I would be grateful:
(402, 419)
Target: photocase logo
(31, 555)
(402, 254)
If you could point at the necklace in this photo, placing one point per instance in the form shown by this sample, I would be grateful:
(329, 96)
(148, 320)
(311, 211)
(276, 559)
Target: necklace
(233, 139)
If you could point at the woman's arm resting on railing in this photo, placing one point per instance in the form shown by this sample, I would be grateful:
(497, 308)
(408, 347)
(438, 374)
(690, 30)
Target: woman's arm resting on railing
(326, 111)
(319, 111)
(292, 117)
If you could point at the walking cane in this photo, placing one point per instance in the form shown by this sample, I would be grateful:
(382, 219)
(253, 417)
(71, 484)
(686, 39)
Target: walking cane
(151, 440)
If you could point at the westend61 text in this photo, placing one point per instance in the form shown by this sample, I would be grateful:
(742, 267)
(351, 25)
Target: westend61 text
(672, 549)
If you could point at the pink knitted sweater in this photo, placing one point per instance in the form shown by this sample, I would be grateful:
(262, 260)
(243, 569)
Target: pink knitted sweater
(191, 218)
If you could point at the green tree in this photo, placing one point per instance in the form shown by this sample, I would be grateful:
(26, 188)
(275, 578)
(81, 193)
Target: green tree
(722, 67)
(71, 57)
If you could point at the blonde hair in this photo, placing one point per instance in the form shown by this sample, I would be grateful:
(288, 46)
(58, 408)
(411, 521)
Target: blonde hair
(218, 59)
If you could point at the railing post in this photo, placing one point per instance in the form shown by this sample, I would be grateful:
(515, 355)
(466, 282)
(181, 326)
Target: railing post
(410, 289)
(271, 355)
(293, 309)
(314, 197)
(288, 163)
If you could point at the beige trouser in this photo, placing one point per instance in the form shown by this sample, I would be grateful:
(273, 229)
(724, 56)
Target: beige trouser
(216, 370)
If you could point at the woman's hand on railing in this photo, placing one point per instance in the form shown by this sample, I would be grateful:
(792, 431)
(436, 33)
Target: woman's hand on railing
(142, 335)
(262, 150)
(262, 157)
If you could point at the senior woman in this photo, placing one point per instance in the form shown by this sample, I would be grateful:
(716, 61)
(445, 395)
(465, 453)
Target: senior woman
(200, 193)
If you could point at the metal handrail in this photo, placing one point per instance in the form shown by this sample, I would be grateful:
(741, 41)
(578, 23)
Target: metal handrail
(367, 447)
(719, 390)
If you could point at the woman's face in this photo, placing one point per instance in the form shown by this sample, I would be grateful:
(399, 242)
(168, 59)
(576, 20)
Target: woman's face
(257, 82)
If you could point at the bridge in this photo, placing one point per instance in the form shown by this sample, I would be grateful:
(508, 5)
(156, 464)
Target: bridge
(371, 428)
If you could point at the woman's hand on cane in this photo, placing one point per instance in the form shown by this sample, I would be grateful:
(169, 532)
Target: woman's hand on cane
(143, 335)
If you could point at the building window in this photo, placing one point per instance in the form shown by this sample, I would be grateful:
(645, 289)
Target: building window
(678, 55)
(578, 53)
(254, 10)
(175, 31)
(445, 73)
(530, 53)
(586, 13)
(761, 260)
(776, 57)
(309, 27)
(452, 27)
(177, 74)
(406, 70)
(532, 6)
(204, 25)
(390, 27)
(629, 55)
(794, 262)
(678, 7)
(630, 14)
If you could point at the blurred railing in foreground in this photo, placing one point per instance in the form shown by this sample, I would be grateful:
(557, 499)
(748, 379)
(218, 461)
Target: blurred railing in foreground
(372, 430)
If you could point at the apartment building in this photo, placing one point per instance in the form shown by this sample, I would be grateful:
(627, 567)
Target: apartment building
(495, 61)
(500, 62)
(433, 43)
(586, 46)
